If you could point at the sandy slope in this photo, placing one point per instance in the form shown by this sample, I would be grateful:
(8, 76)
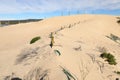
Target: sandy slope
(78, 38)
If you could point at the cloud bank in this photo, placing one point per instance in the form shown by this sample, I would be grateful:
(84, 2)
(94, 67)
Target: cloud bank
(43, 6)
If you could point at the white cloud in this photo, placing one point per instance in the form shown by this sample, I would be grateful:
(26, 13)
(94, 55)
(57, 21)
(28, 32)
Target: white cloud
(41, 6)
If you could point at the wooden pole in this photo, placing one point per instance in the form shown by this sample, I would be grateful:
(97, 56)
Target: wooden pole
(0, 24)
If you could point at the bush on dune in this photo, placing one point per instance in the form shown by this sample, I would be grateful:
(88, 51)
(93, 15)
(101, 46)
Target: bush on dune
(117, 72)
(118, 21)
(35, 39)
(109, 58)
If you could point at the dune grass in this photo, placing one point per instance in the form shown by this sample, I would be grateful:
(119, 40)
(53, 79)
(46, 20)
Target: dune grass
(26, 54)
(114, 38)
(68, 74)
(35, 39)
(117, 72)
(57, 52)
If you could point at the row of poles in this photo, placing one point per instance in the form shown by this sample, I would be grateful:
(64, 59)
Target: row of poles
(7, 22)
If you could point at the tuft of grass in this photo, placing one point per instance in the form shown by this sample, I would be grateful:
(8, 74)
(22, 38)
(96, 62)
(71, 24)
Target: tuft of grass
(57, 52)
(117, 72)
(117, 79)
(118, 21)
(26, 54)
(109, 58)
(35, 39)
(68, 74)
(70, 26)
(113, 37)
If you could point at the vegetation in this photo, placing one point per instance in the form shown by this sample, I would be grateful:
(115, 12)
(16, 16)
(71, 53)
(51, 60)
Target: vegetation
(117, 78)
(61, 28)
(118, 17)
(109, 57)
(57, 52)
(118, 21)
(11, 22)
(114, 38)
(26, 54)
(68, 74)
(70, 26)
(16, 78)
(35, 39)
(117, 72)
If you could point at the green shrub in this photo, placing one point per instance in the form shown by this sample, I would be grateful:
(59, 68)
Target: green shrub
(110, 58)
(103, 55)
(35, 39)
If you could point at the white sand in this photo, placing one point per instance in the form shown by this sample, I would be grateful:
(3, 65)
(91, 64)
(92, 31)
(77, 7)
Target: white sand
(78, 46)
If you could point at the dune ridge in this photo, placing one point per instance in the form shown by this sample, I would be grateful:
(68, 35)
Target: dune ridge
(79, 40)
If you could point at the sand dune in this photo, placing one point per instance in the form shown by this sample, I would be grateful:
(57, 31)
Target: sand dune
(78, 38)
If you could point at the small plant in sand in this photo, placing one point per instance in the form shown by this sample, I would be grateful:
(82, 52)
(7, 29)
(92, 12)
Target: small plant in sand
(52, 40)
(61, 28)
(26, 54)
(117, 72)
(118, 21)
(109, 58)
(70, 26)
(117, 79)
(68, 74)
(113, 37)
(35, 39)
(57, 52)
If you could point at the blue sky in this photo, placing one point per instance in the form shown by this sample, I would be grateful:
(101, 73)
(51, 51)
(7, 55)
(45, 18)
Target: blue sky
(25, 9)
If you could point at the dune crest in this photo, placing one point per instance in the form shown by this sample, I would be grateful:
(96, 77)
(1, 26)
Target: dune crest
(79, 40)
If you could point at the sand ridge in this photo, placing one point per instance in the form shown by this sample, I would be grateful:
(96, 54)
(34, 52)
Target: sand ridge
(78, 38)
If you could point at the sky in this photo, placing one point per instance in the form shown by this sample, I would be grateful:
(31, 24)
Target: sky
(29, 9)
